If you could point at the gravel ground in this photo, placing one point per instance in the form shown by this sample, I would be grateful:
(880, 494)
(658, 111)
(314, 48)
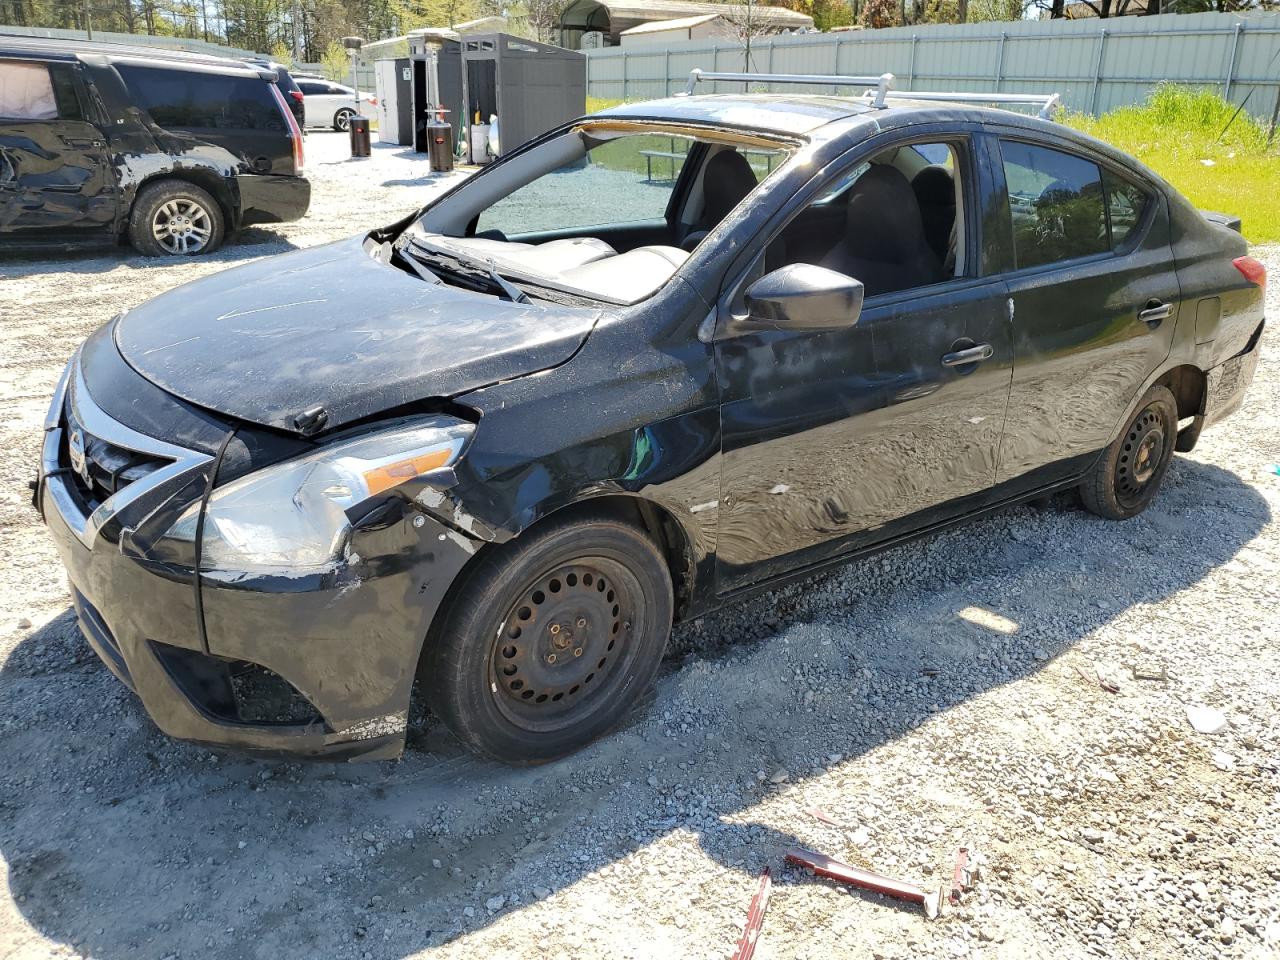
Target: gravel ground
(925, 698)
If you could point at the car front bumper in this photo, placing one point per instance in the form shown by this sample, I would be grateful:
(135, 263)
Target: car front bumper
(343, 647)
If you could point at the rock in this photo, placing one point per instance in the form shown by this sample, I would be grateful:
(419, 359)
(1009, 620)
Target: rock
(24, 624)
(1222, 760)
(368, 837)
(494, 904)
(1206, 719)
(1227, 931)
(779, 776)
(1090, 835)
(541, 893)
(436, 863)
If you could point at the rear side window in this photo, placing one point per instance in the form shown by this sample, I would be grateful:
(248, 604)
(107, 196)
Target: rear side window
(311, 88)
(1126, 203)
(26, 91)
(202, 101)
(1057, 204)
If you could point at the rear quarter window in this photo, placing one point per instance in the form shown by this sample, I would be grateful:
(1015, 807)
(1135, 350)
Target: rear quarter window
(188, 100)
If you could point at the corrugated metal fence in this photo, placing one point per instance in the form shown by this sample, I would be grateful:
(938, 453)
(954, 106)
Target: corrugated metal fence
(1095, 65)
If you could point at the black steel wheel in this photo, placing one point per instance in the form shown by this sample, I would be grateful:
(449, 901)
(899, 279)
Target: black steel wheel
(1125, 479)
(551, 640)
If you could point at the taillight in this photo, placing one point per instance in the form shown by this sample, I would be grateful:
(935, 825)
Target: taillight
(373, 101)
(1254, 271)
(296, 94)
(295, 134)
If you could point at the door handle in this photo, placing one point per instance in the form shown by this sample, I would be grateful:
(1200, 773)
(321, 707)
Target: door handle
(960, 358)
(1154, 312)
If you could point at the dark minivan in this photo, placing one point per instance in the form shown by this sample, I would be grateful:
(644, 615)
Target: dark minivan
(171, 151)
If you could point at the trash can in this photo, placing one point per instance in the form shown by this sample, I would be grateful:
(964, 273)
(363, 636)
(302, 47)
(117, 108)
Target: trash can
(440, 145)
(479, 134)
(359, 137)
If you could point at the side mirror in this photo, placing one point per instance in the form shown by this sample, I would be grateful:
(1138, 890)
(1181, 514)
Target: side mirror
(801, 297)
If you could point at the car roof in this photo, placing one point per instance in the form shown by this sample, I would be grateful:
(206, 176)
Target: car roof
(55, 49)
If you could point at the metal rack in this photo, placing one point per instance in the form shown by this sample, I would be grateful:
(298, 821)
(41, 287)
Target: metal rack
(883, 89)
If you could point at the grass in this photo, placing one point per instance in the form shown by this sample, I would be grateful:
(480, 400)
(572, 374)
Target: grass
(1178, 129)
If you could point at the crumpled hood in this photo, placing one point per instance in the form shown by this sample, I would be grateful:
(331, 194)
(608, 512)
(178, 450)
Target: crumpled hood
(330, 327)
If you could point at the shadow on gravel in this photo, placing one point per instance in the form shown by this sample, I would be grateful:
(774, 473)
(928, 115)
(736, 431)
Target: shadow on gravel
(129, 846)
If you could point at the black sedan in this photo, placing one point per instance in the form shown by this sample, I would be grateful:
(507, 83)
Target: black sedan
(660, 357)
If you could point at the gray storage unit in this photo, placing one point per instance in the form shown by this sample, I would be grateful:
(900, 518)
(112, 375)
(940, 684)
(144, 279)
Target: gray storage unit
(530, 87)
(393, 80)
(447, 76)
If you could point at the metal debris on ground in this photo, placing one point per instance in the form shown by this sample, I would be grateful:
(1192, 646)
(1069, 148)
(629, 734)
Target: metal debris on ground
(819, 814)
(1099, 680)
(1147, 671)
(967, 872)
(755, 918)
(832, 869)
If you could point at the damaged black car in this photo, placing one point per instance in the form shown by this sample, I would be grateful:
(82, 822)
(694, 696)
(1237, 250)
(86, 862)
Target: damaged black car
(659, 358)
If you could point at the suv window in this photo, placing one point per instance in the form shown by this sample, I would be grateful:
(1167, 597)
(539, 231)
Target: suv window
(26, 91)
(202, 101)
(1056, 202)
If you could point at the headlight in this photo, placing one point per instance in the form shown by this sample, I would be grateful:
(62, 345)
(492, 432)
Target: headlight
(292, 516)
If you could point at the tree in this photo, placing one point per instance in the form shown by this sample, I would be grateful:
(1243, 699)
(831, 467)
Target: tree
(986, 11)
(335, 62)
(544, 18)
(942, 11)
(877, 14)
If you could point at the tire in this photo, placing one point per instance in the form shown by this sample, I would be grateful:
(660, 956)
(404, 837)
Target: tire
(551, 640)
(1126, 477)
(342, 119)
(173, 218)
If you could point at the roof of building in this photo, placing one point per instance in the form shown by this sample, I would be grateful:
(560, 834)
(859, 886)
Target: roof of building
(645, 11)
(679, 23)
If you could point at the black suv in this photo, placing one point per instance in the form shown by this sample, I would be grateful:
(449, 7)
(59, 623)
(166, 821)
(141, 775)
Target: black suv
(102, 142)
(288, 86)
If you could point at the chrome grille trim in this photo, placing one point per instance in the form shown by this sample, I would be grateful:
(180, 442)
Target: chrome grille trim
(95, 421)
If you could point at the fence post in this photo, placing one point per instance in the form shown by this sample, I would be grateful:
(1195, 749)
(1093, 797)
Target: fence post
(1235, 51)
(1097, 74)
(666, 72)
(625, 57)
(1000, 60)
(769, 69)
(911, 65)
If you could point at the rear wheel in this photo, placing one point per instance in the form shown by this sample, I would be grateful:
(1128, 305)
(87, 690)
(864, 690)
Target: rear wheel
(173, 218)
(1125, 479)
(342, 120)
(551, 640)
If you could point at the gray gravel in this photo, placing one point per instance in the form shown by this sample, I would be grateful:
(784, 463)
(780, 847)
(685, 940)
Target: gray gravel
(922, 699)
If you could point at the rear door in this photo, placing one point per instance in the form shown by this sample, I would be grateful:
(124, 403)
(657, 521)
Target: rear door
(55, 179)
(235, 111)
(1095, 299)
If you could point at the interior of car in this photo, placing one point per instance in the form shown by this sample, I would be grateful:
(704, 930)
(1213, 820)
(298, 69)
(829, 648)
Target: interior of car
(617, 216)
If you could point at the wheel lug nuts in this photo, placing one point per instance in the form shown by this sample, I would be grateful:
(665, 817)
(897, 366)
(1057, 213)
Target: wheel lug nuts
(551, 658)
(582, 621)
(577, 652)
(555, 628)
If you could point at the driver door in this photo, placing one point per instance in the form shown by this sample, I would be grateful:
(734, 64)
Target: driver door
(839, 439)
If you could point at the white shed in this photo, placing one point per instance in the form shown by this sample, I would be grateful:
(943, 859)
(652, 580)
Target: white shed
(708, 26)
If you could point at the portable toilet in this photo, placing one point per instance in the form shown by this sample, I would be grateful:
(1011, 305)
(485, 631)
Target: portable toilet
(530, 87)
(394, 82)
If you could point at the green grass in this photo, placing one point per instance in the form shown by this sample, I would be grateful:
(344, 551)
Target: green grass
(596, 104)
(1177, 129)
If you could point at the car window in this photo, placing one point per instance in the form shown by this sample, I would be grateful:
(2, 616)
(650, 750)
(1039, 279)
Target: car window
(310, 87)
(888, 222)
(64, 91)
(1056, 202)
(26, 91)
(625, 180)
(202, 101)
(1126, 203)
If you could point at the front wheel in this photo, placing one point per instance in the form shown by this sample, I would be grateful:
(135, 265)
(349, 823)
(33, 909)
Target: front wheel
(1125, 479)
(551, 640)
(342, 120)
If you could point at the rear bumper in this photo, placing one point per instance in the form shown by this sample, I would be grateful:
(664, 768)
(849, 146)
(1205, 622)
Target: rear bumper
(267, 198)
(1227, 383)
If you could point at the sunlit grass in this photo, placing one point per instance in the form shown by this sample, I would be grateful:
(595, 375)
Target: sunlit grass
(1178, 129)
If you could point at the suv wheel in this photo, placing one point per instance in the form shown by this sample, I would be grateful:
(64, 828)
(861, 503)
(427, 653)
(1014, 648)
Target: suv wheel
(1125, 479)
(342, 120)
(173, 218)
(551, 640)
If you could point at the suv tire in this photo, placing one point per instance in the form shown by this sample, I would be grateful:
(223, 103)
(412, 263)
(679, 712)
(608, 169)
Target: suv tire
(1127, 475)
(552, 639)
(173, 218)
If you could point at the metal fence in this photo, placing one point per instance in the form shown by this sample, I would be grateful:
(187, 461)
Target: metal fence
(1096, 65)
